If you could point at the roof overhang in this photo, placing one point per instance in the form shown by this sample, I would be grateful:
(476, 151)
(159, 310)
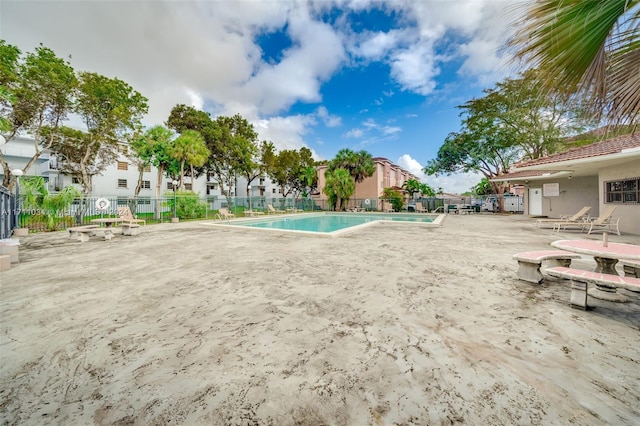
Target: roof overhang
(588, 166)
(526, 177)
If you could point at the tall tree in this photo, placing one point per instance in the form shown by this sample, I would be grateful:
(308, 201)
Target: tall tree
(153, 147)
(111, 111)
(232, 142)
(310, 174)
(189, 149)
(360, 165)
(288, 170)
(511, 121)
(257, 163)
(412, 186)
(537, 122)
(588, 47)
(426, 190)
(339, 187)
(36, 94)
(234, 150)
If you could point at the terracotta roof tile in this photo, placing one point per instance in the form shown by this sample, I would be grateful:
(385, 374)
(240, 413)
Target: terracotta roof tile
(606, 147)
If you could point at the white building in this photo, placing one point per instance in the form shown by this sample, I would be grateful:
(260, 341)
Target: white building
(119, 180)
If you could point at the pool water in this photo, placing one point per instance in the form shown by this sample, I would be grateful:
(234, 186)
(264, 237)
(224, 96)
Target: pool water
(330, 223)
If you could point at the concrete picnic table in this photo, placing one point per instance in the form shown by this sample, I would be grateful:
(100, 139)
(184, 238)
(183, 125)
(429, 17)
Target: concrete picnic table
(606, 256)
(108, 222)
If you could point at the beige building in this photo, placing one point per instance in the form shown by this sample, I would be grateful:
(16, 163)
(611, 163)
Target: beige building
(368, 192)
(597, 175)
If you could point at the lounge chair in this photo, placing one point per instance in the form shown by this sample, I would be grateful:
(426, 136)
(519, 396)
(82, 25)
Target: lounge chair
(590, 224)
(605, 222)
(127, 217)
(578, 217)
(273, 210)
(387, 207)
(224, 214)
(420, 208)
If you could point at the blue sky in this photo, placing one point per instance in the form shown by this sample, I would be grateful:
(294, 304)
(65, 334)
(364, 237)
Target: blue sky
(381, 76)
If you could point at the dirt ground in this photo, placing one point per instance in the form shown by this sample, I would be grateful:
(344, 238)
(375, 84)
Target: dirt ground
(394, 324)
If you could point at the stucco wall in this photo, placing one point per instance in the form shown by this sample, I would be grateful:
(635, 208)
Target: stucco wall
(575, 193)
(629, 214)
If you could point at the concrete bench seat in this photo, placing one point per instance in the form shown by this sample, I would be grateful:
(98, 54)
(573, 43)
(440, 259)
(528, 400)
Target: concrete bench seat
(130, 229)
(529, 262)
(10, 247)
(580, 280)
(5, 262)
(631, 268)
(82, 233)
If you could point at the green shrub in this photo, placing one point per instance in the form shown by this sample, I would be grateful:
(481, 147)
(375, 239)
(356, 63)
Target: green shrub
(188, 205)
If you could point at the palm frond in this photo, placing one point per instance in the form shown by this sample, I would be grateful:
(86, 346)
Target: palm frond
(587, 47)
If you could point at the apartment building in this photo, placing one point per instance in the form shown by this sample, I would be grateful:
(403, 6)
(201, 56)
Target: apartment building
(119, 180)
(386, 175)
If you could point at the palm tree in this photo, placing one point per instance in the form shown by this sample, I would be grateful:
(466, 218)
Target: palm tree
(338, 187)
(360, 165)
(190, 149)
(588, 48)
(51, 207)
(411, 186)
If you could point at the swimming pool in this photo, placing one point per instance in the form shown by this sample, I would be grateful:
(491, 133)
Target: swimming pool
(332, 224)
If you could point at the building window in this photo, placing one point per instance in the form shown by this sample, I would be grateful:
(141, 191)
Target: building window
(122, 201)
(625, 191)
(187, 186)
(144, 200)
(261, 181)
(123, 165)
(122, 183)
(146, 169)
(75, 180)
(124, 149)
(273, 190)
(146, 184)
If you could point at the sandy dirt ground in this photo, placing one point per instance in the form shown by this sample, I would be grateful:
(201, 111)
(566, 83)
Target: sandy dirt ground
(394, 324)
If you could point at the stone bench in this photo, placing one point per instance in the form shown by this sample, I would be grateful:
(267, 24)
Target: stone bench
(10, 247)
(529, 262)
(581, 279)
(82, 233)
(130, 229)
(631, 268)
(5, 262)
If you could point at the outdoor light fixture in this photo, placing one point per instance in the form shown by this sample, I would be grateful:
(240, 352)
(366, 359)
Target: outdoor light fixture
(174, 183)
(17, 173)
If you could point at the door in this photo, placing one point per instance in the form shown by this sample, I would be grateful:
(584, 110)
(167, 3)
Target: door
(535, 201)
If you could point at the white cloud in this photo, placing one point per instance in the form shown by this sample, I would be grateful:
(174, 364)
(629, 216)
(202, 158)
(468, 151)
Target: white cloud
(195, 100)
(354, 133)
(329, 119)
(204, 53)
(415, 68)
(390, 130)
(375, 46)
(285, 132)
(456, 183)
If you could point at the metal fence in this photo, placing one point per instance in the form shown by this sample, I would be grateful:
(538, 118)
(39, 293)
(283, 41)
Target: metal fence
(186, 207)
(7, 213)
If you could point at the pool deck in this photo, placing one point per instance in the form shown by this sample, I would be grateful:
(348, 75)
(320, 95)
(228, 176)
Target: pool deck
(189, 323)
